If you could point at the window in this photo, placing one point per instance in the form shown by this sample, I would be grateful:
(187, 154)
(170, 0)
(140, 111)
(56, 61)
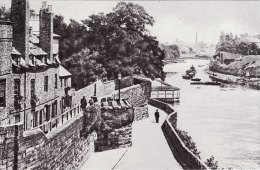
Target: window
(2, 93)
(48, 108)
(56, 81)
(54, 109)
(32, 59)
(16, 88)
(65, 82)
(46, 83)
(60, 82)
(32, 88)
(17, 118)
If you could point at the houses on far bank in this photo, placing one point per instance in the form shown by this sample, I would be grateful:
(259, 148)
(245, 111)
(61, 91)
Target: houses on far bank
(236, 64)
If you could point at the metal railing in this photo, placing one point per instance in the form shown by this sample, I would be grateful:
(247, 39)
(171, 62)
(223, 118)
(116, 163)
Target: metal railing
(59, 120)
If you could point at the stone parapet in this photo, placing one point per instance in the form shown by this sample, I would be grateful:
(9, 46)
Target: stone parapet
(181, 153)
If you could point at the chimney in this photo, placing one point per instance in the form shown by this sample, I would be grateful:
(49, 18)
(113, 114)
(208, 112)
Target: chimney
(46, 30)
(20, 13)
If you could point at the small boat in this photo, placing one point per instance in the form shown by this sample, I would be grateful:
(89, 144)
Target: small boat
(192, 71)
(195, 79)
(206, 83)
(200, 65)
(223, 85)
(186, 76)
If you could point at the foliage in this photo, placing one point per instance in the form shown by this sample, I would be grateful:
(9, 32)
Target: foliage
(5, 14)
(119, 39)
(84, 68)
(171, 51)
(189, 143)
(211, 163)
(237, 45)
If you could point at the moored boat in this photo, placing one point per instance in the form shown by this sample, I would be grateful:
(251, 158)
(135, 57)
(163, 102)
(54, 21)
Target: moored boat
(186, 76)
(195, 79)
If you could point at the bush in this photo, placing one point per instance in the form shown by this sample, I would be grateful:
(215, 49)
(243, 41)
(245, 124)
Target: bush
(187, 140)
(211, 163)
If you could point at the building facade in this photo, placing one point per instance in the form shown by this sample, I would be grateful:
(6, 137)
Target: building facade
(34, 87)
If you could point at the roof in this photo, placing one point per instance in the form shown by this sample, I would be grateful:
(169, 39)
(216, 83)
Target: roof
(34, 50)
(165, 88)
(34, 39)
(15, 52)
(63, 72)
(56, 35)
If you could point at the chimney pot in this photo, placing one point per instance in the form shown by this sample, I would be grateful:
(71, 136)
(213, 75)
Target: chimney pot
(44, 3)
(49, 8)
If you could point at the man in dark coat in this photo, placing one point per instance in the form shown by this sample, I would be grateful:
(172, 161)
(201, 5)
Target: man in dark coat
(83, 103)
(157, 115)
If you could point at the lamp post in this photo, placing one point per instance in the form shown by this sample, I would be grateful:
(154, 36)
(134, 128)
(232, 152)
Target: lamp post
(119, 83)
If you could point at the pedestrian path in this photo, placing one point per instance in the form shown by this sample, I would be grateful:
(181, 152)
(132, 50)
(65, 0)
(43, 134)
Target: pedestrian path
(150, 150)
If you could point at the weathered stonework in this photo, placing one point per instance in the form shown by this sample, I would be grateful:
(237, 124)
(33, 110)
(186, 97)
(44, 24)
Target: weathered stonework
(118, 138)
(63, 149)
(6, 30)
(141, 112)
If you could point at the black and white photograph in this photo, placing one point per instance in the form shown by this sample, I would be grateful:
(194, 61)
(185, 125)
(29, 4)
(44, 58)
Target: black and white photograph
(129, 85)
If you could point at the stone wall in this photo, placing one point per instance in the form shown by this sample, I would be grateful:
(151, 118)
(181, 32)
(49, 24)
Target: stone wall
(6, 69)
(161, 105)
(63, 148)
(118, 138)
(67, 147)
(141, 112)
(181, 153)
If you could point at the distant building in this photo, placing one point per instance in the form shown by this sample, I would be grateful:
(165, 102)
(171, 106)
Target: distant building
(34, 87)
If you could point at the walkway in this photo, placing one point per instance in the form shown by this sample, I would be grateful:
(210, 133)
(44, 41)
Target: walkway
(150, 150)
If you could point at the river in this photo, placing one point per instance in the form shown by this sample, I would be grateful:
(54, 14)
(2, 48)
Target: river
(223, 122)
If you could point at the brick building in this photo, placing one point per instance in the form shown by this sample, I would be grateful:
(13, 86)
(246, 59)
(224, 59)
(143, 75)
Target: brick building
(33, 85)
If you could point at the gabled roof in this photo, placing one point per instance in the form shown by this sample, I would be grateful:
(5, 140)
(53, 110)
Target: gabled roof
(56, 35)
(34, 39)
(15, 52)
(63, 72)
(34, 50)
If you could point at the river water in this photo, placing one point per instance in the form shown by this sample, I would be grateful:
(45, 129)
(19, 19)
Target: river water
(223, 122)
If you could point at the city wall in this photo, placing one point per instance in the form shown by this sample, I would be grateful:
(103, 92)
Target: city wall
(67, 147)
(181, 153)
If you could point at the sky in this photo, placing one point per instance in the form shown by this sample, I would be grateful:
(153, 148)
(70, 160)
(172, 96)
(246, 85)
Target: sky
(174, 20)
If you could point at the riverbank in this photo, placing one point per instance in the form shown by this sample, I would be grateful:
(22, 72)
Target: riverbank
(223, 122)
(253, 83)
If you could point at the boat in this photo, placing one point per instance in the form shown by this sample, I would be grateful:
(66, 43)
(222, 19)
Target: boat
(214, 78)
(186, 76)
(200, 65)
(206, 83)
(195, 79)
(222, 85)
(192, 71)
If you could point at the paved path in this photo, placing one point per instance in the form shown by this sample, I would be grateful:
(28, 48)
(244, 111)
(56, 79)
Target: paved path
(150, 150)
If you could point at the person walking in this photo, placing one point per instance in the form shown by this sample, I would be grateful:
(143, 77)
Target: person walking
(157, 115)
(83, 103)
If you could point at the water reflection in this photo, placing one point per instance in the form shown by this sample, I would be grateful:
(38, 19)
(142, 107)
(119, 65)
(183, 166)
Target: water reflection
(224, 122)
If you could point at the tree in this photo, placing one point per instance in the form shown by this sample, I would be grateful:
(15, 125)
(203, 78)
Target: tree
(84, 68)
(123, 41)
(236, 45)
(120, 41)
